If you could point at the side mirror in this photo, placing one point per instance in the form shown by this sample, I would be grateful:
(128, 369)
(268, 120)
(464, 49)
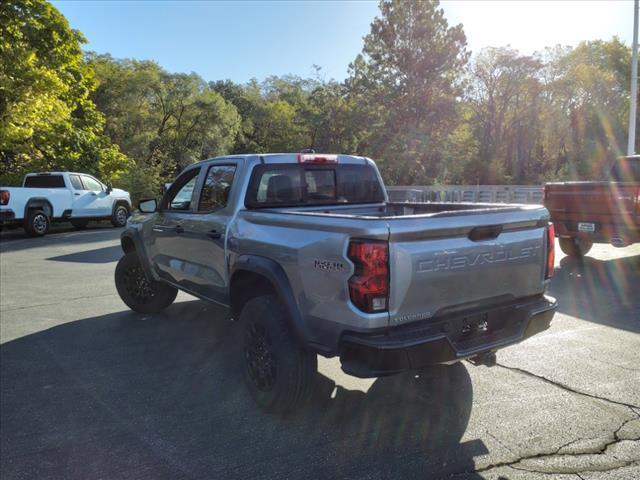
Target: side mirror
(109, 189)
(148, 206)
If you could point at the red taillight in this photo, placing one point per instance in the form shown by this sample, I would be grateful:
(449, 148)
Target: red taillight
(551, 251)
(369, 285)
(313, 158)
(5, 195)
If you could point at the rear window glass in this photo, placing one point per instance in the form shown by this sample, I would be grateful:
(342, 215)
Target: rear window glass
(626, 170)
(302, 185)
(44, 181)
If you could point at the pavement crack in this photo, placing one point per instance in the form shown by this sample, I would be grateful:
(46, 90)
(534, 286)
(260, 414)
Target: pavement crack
(600, 450)
(566, 387)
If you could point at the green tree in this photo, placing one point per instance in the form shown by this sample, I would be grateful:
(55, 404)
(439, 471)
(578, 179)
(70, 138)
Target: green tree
(162, 121)
(408, 81)
(504, 94)
(47, 120)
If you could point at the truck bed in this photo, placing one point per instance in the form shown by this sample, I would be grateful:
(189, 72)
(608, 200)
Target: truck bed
(444, 257)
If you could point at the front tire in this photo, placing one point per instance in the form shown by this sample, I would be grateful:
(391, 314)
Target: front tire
(37, 223)
(139, 293)
(575, 247)
(278, 371)
(120, 215)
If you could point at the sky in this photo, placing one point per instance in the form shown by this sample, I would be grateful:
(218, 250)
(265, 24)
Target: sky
(244, 40)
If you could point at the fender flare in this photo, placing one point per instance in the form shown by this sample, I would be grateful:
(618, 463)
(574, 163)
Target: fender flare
(118, 201)
(276, 275)
(134, 237)
(35, 202)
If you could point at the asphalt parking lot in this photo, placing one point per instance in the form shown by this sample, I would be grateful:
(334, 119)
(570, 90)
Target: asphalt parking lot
(89, 389)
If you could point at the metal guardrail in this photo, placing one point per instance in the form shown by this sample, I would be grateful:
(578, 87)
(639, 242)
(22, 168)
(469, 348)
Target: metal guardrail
(468, 193)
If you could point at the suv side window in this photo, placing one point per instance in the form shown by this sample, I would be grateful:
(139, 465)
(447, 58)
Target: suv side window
(76, 183)
(216, 188)
(91, 184)
(180, 194)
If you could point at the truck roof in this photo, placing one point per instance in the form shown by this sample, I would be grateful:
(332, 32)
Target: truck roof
(294, 158)
(55, 173)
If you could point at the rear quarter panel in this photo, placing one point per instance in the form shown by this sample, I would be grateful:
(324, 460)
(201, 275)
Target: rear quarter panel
(312, 250)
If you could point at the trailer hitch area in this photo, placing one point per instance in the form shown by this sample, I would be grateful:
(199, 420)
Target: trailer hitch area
(487, 359)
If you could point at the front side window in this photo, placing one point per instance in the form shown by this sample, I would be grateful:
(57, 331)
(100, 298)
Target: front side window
(216, 188)
(76, 183)
(180, 194)
(91, 184)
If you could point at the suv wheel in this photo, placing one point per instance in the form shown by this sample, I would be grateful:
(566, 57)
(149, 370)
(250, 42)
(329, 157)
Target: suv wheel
(137, 291)
(37, 223)
(278, 371)
(119, 217)
(575, 247)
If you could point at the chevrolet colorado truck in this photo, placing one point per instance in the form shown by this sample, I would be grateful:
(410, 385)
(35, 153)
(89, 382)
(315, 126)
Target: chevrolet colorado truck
(61, 196)
(600, 212)
(312, 258)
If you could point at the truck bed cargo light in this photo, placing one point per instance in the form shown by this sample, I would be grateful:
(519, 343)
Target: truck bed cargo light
(316, 158)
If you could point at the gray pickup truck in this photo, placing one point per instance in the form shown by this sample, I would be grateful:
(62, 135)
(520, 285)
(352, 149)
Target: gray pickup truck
(312, 258)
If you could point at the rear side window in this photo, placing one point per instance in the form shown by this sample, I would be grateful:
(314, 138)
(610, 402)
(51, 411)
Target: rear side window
(44, 181)
(302, 185)
(216, 188)
(76, 183)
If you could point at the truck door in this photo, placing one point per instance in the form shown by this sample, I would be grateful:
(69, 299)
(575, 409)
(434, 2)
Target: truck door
(90, 198)
(189, 233)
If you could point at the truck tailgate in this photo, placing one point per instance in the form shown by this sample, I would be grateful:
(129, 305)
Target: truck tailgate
(591, 198)
(463, 260)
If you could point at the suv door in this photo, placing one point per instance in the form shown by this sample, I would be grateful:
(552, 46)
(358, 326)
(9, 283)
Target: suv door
(90, 198)
(190, 241)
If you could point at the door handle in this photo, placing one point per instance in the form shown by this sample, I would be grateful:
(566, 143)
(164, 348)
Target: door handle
(178, 229)
(214, 235)
(76, 193)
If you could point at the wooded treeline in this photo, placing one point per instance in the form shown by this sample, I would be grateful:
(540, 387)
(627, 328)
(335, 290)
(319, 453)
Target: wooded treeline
(415, 100)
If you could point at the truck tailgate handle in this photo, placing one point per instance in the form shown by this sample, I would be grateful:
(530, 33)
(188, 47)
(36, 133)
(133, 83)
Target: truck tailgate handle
(489, 232)
(178, 229)
(214, 234)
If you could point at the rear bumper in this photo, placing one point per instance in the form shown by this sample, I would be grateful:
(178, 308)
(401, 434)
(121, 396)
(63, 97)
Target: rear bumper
(418, 345)
(7, 216)
(603, 232)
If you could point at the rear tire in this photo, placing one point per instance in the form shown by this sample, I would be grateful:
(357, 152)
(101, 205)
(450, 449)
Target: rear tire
(37, 223)
(120, 215)
(575, 247)
(278, 371)
(79, 224)
(139, 293)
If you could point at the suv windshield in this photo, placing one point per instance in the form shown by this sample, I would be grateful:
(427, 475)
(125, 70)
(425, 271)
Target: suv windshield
(307, 185)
